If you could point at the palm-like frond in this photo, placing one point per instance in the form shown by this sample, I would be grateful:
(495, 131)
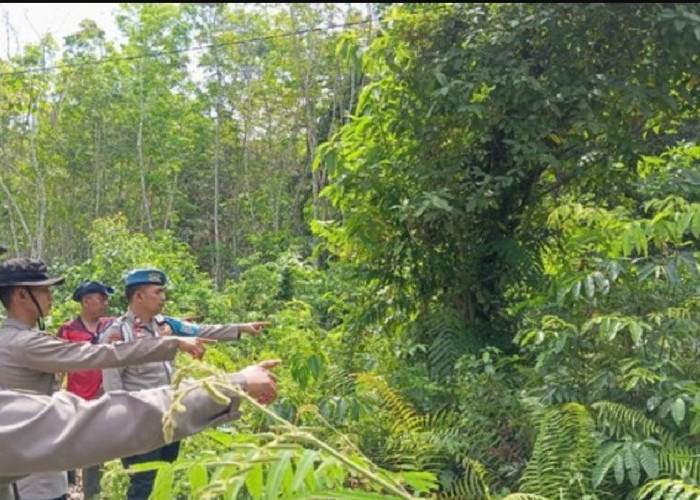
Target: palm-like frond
(620, 420)
(562, 459)
(473, 484)
(680, 461)
(447, 338)
(668, 489)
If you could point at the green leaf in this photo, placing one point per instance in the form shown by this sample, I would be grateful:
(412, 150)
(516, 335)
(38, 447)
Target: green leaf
(420, 481)
(695, 424)
(590, 286)
(695, 224)
(163, 484)
(664, 408)
(576, 290)
(276, 475)
(678, 410)
(198, 477)
(305, 465)
(602, 469)
(619, 469)
(440, 76)
(649, 461)
(233, 487)
(632, 464)
(635, 332)
(254, 481)
(223, 438)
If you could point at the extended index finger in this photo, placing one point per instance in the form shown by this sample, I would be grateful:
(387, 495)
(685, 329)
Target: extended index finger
(270, 363)
(207, 340)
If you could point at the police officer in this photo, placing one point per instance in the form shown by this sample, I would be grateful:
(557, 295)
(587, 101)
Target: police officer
(29, 358)
(145, 293)
(41, 433)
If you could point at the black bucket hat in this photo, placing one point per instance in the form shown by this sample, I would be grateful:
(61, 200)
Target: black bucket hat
(22, 271)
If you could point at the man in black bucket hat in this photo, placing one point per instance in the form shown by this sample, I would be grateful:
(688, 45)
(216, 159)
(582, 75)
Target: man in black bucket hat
(30, 358)
(30, 278)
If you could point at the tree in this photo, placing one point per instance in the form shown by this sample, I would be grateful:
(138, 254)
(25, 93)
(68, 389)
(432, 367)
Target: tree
(477, 119)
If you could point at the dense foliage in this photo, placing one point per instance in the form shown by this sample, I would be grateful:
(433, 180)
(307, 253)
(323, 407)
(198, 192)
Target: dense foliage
(474, 227)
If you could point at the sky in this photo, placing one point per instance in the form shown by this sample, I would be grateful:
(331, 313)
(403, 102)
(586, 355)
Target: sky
(22, 23)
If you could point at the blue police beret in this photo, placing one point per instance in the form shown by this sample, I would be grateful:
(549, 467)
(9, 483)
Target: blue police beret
(87, 287)
(146, 277)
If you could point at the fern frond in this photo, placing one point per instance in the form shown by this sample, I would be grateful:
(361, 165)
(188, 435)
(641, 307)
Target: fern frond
(668, 489)
(405, 418)
(620, 421)
(679, 461)
(339, 381)
(447, 338)
(444, 351)
(563, 454)
(428, 442)
(473, 484)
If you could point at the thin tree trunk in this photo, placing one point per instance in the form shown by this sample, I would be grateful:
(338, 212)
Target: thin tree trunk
(38, 246)
(13, 231)
(98, 168)
(139, 150)
(217, 168)
(171, 200)
(23, 222)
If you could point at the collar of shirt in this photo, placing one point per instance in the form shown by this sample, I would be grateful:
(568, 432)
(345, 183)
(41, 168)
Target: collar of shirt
(136, 322)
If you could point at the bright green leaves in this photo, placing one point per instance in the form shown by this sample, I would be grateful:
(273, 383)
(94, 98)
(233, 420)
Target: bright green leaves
(307, 367)
(608, 327)
(585, 288)
(269, 472)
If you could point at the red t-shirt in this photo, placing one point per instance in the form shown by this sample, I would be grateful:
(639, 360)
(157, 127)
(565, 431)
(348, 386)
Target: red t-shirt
(88, 383)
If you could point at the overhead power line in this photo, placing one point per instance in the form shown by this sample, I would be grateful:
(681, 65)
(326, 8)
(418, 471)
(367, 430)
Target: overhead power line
(147, 55)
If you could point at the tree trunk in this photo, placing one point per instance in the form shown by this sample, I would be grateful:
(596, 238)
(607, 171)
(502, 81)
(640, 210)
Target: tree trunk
(13, 205)
(98, 169)
(139, 150)
(38, 245)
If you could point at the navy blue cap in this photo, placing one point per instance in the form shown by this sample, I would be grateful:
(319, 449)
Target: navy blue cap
(146, 277)
(87, 287)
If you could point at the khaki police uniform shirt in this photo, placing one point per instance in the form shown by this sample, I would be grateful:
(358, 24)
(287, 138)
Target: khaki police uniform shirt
(40, 433)
(148, 375)
(29, 360)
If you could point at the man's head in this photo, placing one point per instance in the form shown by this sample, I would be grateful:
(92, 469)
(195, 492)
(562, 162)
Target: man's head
(24, 289)
(145, 291)
(93, 297)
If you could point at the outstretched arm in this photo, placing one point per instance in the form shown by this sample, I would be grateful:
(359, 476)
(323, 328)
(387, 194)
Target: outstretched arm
(41, 433)
(227, 332)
